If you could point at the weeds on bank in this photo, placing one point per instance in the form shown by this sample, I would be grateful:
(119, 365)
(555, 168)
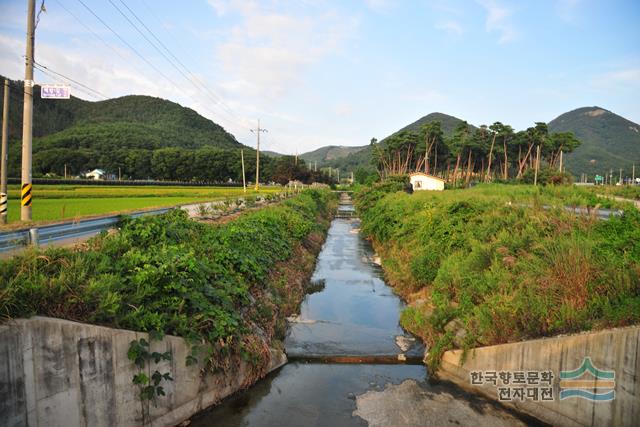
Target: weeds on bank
(498, 267)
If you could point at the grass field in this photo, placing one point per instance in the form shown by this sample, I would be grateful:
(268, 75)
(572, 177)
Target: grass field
(56, 202)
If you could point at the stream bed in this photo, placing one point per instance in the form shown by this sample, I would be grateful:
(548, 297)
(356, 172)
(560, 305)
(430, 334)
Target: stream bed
(353, 318)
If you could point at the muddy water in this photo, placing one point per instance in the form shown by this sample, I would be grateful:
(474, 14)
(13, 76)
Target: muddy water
(355, 315)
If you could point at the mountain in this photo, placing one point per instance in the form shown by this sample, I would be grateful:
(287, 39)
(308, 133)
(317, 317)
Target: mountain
(326, 154)
(448, 124)
(351, 158)
(609, 141)
(107, 131)
(272, 154)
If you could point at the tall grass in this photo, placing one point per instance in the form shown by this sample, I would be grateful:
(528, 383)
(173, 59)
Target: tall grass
(490, 265)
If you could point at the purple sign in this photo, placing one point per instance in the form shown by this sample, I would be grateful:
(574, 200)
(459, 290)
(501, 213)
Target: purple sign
(55, 92)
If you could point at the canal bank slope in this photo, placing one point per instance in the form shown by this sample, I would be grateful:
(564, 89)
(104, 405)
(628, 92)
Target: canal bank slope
(57, 372)
(478, 268)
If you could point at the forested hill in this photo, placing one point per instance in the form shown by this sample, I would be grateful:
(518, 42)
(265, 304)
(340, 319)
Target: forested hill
(351, 158)
(329, 153)
(608, 141)
(85, 134)
(447, 123)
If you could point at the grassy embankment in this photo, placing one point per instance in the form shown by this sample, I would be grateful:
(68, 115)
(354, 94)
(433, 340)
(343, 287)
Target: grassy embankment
(226, 288)
(625, 191)
(57, 202)
(489, 265)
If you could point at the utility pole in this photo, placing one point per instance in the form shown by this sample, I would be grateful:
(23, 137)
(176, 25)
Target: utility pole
(535, 175)
(257, 132)
(5, 154)
(119, 174)
(65, 171)
(27, 117)
(620, 180)
(633, 174)
(315, 166)
(244, 182)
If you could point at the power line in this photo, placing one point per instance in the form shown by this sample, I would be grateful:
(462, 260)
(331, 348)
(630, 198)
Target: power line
(195, 77)
(96, 35)
(169, 60)
(40, 66)
(139, 54)
(129, 45)
(53, 76)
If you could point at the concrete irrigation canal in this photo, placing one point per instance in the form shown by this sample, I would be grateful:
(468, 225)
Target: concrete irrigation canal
(350, 362)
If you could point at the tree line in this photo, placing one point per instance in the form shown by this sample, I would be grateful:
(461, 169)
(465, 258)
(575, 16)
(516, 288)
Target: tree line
(206, 164)
(487, 153)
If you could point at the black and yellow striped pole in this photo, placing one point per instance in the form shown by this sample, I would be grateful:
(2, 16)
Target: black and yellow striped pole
(25, 195)
(3, 208)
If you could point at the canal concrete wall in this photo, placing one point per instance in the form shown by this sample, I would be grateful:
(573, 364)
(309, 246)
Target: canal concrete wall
(609, 350)
(60, 373)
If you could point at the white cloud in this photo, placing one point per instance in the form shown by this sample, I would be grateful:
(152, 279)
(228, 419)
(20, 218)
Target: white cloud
(450, 27)
(267, 53)
(498, 20)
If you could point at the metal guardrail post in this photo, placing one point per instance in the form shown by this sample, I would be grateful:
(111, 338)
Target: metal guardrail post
(33, 236)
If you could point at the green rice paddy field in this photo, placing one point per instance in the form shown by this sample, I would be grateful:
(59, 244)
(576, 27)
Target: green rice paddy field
(57, 202)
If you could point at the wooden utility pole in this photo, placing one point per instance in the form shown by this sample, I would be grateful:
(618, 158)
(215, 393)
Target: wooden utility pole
(27, 117)
(535, 174)
(65, 171)
(244, 182)
(5, 154)
(257, 132)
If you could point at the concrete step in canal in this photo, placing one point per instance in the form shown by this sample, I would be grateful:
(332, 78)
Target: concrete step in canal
(351, 364)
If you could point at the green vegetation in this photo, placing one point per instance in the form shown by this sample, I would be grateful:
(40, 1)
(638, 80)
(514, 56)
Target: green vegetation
(625, 191)
(483, 154)
(490, 265)
(211, 284)
(56, 202)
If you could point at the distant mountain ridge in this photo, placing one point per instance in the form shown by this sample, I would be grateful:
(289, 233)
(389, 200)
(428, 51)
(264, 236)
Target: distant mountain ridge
(609, 141)
(351, 158)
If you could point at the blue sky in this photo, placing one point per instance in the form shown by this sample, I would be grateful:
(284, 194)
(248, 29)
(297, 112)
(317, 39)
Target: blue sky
(320, 72)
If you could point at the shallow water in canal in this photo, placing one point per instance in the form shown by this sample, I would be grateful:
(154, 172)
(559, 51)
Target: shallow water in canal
(355, 314)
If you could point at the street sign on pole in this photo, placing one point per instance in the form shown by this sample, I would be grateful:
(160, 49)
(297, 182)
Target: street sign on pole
(55, 92)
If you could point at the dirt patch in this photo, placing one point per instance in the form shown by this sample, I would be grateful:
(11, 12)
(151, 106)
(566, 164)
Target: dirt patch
(412, 404)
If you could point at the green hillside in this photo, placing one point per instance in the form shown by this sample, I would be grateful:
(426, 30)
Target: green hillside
(88, 135)
(325, 155)
(609, 142)
(447, 122)
(351, 158)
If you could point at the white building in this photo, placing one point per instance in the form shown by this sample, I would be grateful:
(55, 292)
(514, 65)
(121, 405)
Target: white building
(422, 181)
(95, 174)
